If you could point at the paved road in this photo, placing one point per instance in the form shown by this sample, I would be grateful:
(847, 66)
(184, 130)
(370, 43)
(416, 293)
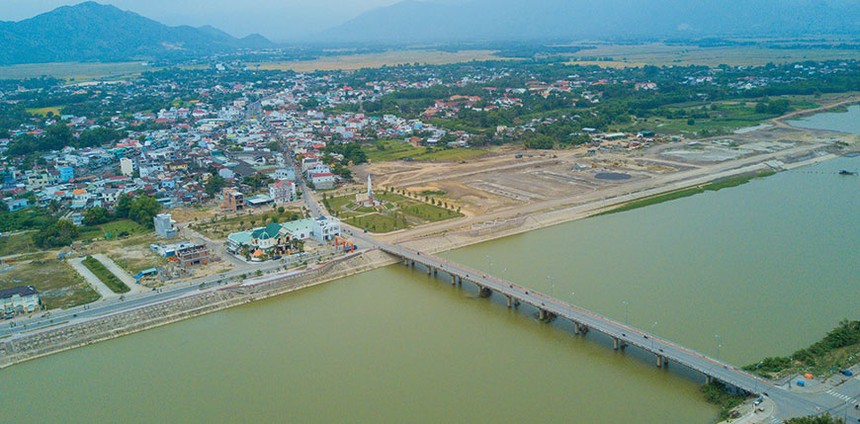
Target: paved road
(92, 279)
(788, 404)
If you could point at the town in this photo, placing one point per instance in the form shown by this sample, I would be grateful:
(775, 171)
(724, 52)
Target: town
(93, 168)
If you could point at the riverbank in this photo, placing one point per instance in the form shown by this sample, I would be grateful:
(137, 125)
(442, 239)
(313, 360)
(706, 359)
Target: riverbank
(67, 337)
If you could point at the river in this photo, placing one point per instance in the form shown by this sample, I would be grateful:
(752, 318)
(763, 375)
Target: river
(758, 270)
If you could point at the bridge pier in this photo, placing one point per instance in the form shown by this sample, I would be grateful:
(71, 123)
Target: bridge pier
(510, 300)
(542, 314)
(708, 379)
(484, 291)
(429, 270)
(618, 344)
(662, 361)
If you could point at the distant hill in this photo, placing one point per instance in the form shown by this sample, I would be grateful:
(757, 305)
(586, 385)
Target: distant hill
(95, 32)
(521, 20)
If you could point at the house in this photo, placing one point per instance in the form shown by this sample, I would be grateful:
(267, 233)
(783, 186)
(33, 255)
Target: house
(325, 229)
(16, 205)
(67, 173)
(282, 191)
(323, 180)
(273, 239)
(285, 174)
(126, 167)
(279, 239)
(233, 200)
(19, 300)
(164, 225)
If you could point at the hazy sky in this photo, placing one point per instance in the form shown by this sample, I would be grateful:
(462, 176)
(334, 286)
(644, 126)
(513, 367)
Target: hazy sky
(279, 20)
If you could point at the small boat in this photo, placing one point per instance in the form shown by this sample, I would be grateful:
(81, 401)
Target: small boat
(846, 172)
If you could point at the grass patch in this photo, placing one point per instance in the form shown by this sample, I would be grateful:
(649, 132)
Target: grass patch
(388, 150)
(108, 278)
(137, 264)
(17, 244)
(716, 394)
(839, 349)
(112, 230)
(429, 212)
(687, 192)
(55, 110)
(59, 285)
(378, 223)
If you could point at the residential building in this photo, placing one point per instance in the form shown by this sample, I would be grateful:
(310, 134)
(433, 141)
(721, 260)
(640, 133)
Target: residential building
(233, 200)
(67, 173)
(325, 229)
(19, 300)
(285, 174)
(126, 167)
(164, 225)
(282, 191)
(323, 180)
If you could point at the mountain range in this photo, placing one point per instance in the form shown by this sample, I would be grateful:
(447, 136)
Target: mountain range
(523, 20)
(94, 32)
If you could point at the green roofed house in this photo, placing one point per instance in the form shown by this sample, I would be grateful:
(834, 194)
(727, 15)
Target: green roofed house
(279, 239)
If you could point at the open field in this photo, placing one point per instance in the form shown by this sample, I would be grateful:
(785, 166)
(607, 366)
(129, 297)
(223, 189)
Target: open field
(74, 71)
(111, 230)
(59, 285)
(386, 150)
(55, 110)
(377, 60)
(659, 54)
(17, 244)
(722, 117)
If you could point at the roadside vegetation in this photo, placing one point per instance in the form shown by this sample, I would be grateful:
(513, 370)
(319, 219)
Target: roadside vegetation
(112, 281)
(716, 394)
(687, 192)
(839, 349)
(821, 419)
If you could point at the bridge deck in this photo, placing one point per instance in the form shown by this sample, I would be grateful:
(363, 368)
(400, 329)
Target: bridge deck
(623, 333)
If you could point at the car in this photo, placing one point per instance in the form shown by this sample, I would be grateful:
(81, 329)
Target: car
(758, 401)
(847, 373)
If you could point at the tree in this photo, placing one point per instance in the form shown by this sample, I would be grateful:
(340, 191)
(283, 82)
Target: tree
(143, 209)
(215, 184)
(96, 215)
(60, 233)
(123, 205)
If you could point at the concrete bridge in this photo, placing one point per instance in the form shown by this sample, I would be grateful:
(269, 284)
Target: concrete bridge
(622, 335)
